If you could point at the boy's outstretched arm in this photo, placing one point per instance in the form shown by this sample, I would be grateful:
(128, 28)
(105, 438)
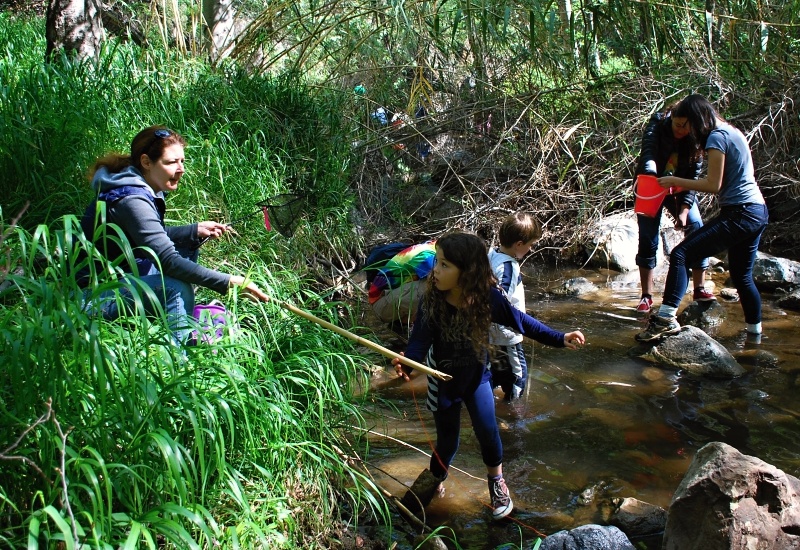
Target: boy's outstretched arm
(574, 339)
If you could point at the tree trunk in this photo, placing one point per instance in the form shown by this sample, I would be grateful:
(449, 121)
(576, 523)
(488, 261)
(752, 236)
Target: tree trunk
(74, 26)
(710, 5)
(219, 22)
(568, 20)
(592, 48)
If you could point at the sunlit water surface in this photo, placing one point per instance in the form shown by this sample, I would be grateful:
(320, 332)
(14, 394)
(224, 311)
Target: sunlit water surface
(595, 423)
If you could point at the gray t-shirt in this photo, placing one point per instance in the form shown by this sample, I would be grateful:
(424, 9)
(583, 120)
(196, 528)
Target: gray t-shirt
(738, 176)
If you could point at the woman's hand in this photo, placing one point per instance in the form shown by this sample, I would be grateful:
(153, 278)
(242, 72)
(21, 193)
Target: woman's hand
(574, 339)
(683, 216)
(669, 181)
(211, 230)
(249, 288)
(399, 369)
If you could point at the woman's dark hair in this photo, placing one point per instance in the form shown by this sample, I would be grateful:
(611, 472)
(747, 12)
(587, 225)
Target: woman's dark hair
(701, 115)
(151, 142)
(469, 254)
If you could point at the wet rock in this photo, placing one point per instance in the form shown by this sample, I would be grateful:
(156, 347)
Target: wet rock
(733, 501)
(756, 395)
(703, 315)
(542, 377)
(652, 374)
(590, 493)
(577, 286)
(771, 272)
(637, 518)
(757, 358)
(729, 294)
(588, 537)
(790, 301)
(693, 351)
(429, 542)
(614, 419)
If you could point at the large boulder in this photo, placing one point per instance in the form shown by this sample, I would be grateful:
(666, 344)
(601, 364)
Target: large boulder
(771, 272)
(731, 501)
(693, 351)
(588, 537)
(614, 241)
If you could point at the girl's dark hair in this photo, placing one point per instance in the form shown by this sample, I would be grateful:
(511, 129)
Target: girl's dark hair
(151, 142)
(701, 115)
(469, 254)
(519, 227)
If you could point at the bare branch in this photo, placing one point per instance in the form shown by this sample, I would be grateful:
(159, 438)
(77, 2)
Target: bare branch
(5, 454)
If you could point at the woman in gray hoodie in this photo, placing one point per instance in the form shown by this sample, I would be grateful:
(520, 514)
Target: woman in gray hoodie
(132, 188)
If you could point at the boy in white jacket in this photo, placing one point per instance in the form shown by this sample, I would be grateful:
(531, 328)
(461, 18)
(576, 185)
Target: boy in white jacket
(517, 235)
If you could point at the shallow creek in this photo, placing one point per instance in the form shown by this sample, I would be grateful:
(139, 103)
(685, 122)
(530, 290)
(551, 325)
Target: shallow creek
(595, 423)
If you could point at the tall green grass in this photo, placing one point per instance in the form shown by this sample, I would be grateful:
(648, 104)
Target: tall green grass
(249, 137)
(231, 443)
(111, 436)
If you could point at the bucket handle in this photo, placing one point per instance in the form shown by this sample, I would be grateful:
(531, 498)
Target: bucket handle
(638, 196)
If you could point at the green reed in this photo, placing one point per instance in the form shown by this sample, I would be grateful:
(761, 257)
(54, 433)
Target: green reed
(116, 438)
(232, 443)
(249, 137)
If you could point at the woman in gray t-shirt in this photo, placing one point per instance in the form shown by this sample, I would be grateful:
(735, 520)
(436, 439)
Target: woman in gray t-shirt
(737, 229)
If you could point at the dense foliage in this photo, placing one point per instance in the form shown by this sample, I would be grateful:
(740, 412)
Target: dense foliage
(111, 435)
(536, 106)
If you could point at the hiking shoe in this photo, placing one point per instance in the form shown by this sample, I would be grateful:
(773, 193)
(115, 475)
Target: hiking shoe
(645, 304)
(701, 295)
(501, 500)
(658, 327)
(420, 494)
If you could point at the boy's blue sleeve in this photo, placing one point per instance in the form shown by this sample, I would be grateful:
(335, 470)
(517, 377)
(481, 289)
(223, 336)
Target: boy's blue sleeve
(505, 278)
(505, 314)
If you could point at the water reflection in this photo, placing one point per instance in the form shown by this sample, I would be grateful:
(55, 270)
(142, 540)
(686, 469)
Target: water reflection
(596, 423)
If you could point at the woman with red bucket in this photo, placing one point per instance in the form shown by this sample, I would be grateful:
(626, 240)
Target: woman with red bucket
(667, 151)
(737, 228)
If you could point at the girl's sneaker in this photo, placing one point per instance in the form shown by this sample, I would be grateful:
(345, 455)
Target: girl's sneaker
(701, 295)
(645, 304)
(501, 500)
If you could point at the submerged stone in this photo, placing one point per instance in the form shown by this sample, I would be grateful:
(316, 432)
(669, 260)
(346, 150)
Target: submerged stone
(693, 351)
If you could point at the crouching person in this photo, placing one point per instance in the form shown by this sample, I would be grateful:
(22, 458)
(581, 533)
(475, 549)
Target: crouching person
(132, 188)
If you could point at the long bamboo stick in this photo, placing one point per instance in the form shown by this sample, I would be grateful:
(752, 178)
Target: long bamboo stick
(364, 342)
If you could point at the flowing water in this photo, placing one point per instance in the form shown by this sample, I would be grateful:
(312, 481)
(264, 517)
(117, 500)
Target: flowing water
(595, 424)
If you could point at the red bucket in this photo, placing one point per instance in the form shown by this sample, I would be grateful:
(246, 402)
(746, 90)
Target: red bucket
(649, 195)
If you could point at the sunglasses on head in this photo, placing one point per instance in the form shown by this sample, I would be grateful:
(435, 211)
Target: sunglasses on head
(162, 133)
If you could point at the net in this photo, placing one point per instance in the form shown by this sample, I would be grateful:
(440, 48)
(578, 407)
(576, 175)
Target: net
(281, 213)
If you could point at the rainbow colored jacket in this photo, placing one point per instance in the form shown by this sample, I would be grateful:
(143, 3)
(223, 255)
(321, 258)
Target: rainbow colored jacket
(410, 264)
